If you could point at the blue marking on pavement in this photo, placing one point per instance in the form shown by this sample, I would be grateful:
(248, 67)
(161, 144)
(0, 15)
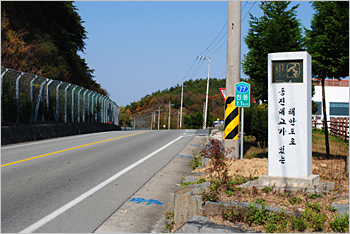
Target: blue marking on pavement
(193, 145)
(148, 202)
(183, 156)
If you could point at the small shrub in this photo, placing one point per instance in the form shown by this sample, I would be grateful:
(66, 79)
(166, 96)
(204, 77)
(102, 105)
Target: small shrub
(331, 208)
(234, 215)
(169, 214)
(316, 207)
(267, 189)
(299, 223)
(196, 162)
(212, 195)
(260, 201)
(169, 226)
(315, 195)
(295, 200)
(201, 180)
(317, 222)
(271, 225)
(215, 151)
(256, 215)
(340, 224)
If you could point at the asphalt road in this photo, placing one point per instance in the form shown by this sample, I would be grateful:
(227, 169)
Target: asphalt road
(74, 184)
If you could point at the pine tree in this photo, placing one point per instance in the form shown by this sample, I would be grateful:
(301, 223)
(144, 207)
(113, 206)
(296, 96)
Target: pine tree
(278, 30)
(328, 44)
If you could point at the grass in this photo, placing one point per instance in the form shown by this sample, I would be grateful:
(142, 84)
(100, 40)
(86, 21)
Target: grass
(338, 147)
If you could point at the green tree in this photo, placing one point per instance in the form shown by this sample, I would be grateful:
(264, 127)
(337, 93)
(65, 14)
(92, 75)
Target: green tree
(328, 44)
(278, 30)
(193, 121)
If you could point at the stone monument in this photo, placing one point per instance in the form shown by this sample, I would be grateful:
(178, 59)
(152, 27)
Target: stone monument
(289, 121)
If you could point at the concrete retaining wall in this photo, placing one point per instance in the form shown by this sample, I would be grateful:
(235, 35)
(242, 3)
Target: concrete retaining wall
(23, 133)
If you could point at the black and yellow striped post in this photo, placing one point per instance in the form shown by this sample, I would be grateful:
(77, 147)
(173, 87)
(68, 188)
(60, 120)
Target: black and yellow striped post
(231, 119)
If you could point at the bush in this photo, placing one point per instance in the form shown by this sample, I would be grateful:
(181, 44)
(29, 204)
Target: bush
(256, 122)
(259, 124)
(340, 224)
(193, 121)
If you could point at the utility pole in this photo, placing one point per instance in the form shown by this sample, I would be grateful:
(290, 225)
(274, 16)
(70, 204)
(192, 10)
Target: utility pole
(158, 116)
(178, 118)
(169, 115)
(152, 118)
(206, 96)
(182, 94)
(134, 123)
(233, 69)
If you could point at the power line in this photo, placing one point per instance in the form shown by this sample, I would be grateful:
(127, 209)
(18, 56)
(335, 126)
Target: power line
(219, 46)
(244, 6)
(189, 69)
(219, 40)
(221, 74)
(205, 52)
(197, 69)
(218, 35)
(215, 38)
(248, 11)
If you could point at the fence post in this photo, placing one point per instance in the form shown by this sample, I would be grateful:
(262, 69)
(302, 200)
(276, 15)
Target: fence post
(17, 95)
(84, 105)
(39, 99)
(65, 103)
(102, 109)
(79, 104)
(336, 123)
(88, 110)
(57, 102)
(96, 101)
(92, 108)
(99, 114)
(347, 132)
(47, 94)
(105, 110)
(73, 103)
(109, 106)
(2, 94)
(32, 99)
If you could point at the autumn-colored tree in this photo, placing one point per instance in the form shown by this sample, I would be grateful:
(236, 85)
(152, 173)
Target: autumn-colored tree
(45, 41)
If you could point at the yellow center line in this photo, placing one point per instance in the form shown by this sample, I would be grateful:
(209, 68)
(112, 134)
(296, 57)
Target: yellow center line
(77, 147)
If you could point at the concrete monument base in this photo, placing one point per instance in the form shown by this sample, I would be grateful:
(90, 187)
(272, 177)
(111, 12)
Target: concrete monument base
(295, 182)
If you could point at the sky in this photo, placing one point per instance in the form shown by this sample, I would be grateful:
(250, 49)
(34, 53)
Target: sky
(139, 47)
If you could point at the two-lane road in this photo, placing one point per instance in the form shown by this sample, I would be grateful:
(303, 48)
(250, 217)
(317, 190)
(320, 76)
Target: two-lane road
(74, 184)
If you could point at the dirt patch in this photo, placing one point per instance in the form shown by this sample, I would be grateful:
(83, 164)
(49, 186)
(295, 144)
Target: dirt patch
(332, 170)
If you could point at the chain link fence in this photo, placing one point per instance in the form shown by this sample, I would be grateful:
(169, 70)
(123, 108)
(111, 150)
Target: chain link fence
(27, 98)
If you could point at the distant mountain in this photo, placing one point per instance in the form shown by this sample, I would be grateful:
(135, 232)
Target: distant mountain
(193, 102)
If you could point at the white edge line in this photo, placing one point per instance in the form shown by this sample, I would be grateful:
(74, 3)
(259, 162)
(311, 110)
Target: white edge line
(72, 203)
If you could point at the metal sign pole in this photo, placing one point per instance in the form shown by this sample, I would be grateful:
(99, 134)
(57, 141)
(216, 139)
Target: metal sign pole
(242, 130)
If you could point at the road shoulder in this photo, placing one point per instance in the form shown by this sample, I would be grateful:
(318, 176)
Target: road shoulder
(143, 211)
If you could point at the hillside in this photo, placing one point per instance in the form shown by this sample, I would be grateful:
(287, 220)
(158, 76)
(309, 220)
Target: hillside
(193, 103)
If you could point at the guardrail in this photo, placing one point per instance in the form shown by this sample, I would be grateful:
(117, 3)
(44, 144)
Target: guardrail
(27, 98)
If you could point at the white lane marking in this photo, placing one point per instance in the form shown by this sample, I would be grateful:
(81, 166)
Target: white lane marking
(72, 203)
(53, 140)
